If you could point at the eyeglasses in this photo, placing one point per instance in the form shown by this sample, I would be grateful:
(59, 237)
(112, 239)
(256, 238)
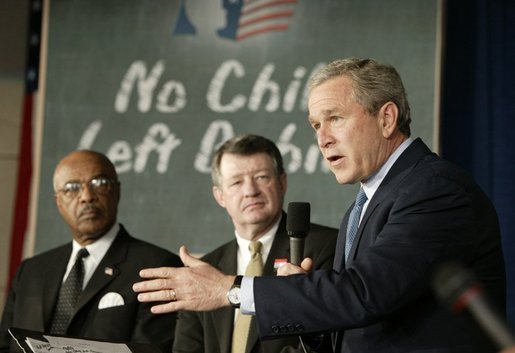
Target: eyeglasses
(99, 186)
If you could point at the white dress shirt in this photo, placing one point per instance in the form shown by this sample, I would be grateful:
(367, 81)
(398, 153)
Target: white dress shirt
(243, 254)
(96, 250)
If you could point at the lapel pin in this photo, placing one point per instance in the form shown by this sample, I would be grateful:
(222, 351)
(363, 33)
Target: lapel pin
(108, 271)
(280, 262)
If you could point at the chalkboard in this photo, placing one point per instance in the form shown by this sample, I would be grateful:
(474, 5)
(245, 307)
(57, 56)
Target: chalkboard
(157, 85)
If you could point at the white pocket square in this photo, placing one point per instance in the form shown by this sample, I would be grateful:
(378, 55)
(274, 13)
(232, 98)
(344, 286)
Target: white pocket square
(110, 300)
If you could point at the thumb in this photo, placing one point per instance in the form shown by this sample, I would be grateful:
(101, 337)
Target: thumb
(307, 264)
(187, 259)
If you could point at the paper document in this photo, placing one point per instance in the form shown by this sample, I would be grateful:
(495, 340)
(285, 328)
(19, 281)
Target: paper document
(39, 342)
(74, 345)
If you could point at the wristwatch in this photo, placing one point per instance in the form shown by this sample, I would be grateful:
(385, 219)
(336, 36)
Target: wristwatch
(233, 295)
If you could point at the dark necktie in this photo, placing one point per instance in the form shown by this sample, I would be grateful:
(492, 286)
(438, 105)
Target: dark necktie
(240, 333)
(69, 294)
(352, 226)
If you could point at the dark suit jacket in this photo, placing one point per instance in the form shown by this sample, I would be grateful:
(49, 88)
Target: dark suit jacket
(34, 292)
(426, 211)
(212, 331)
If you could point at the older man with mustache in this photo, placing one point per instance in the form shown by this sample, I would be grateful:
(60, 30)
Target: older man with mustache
(83, 288)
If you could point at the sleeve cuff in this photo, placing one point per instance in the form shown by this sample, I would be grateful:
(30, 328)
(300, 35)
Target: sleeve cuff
(247, 305)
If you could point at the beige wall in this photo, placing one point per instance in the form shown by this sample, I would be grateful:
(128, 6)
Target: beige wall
(13, 23)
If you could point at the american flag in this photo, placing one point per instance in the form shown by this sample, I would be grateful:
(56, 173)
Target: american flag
(21, 208)
(263, 16)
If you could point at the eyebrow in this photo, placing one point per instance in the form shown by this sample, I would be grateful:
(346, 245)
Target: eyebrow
(325, 114)
(239, 175)
(101, 175)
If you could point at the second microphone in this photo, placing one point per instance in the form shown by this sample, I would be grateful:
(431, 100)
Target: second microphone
(297, 226)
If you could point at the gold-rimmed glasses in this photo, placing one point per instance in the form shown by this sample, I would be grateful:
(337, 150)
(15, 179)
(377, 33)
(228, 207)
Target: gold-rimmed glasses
(97, 185)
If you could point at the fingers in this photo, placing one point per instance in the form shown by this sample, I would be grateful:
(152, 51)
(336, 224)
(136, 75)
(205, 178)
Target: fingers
(149, 285)
(291, 269)
(173, 295)
(171, 272)
(183, 251)
(197, 286)
(163, 295)
(307, 264)
(158, 272)
(187, 259)
(169, 307)
(165, 308)
(152, 283)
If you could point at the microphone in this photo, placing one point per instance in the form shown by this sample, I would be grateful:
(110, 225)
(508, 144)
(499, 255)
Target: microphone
(458, 288)
(297, 226)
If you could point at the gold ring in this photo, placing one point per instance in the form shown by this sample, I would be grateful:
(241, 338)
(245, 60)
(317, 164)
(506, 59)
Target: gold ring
(173, 295)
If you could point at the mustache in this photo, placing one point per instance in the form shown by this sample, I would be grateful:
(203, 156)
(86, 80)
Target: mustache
(89, 208)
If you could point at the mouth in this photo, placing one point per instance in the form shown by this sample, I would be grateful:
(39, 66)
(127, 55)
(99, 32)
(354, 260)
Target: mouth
(335, 159)
(253, 205)
(89, 212)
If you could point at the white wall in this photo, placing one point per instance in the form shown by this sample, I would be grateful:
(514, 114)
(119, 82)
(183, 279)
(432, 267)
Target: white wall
(13, 28)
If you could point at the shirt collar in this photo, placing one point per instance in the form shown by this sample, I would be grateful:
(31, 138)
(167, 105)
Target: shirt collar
(266, 240)
(371, 185)
(98, 249)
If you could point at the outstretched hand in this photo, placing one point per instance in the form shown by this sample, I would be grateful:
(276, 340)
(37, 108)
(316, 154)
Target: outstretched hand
(196, 287)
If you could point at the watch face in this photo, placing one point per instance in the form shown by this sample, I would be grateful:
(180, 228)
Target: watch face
(234, 295)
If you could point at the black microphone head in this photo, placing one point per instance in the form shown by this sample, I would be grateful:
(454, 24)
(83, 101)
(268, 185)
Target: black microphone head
(297, 222)
(461, 290)
(451, 280)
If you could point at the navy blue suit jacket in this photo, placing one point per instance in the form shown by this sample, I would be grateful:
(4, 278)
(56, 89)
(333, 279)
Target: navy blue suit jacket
(425, 212)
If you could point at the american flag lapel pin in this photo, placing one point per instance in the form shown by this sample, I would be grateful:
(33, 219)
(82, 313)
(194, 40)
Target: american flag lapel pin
(279, 262)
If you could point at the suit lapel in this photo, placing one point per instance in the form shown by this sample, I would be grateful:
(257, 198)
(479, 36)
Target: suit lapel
(400, 169)
(52, 279)
(107, 269)
(280, 247)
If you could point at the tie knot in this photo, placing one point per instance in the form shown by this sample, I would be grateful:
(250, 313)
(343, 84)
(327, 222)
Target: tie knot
(255, 247)
(361, 198)
(82, 254)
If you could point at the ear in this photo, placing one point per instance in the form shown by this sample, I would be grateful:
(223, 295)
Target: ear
(58, 203)
(388, 115)
(283, 180)
(219, 196)
(118, 189)
(56, 199)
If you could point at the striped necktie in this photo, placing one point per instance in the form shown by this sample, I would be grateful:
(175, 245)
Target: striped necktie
(352, 226)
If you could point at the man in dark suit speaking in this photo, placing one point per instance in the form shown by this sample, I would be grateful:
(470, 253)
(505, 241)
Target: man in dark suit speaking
(83, 289)
(250, 182)
(413, 212)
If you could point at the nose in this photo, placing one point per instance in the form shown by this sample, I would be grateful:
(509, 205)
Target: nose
(250, 187)
(324, 137)
(86, 194)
